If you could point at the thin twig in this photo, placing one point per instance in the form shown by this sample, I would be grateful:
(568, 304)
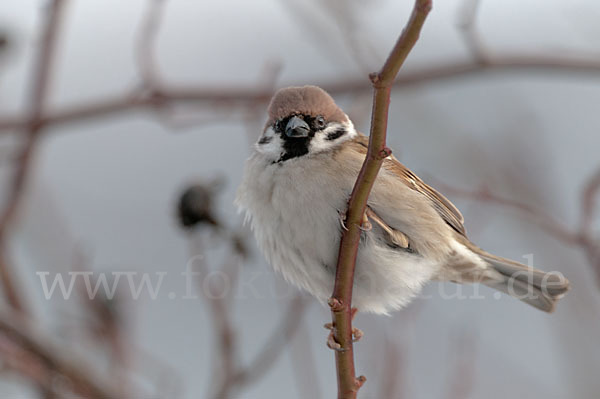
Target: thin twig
(147, 35)
(341, 299)
(393, 372)
(85, 381)
(472, 39)
(236, 377)
(221, 311)
(589, 200)
(347, 18)
(302, 359)
(19, 361)
(37, 99)
(230, 374)
(276, 343)
(242, 98)
(462, 373)
(544, 220)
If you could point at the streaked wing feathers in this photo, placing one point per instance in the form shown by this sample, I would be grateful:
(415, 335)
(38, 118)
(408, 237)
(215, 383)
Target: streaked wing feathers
(442, 205)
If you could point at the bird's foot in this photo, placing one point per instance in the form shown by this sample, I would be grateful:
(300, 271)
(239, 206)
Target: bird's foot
(331, 342)
(342, 219)
(360, 381)
(365, 224)
(357, 334)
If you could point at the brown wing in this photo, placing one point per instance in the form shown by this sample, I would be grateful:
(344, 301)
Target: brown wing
(442, 205)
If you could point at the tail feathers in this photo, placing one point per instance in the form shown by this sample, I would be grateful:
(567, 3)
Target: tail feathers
(526, 293)
(532, 286)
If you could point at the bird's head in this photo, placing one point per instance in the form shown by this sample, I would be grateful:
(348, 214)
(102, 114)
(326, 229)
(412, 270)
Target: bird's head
(303, 121)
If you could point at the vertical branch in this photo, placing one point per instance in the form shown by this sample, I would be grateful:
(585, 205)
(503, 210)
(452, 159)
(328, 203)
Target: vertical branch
(147, 36)
(589, 198)
(340, 301)
(37, 99)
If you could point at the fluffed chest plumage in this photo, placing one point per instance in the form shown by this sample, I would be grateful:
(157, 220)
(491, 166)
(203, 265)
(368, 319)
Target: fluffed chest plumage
(294, 210)
(307, 207)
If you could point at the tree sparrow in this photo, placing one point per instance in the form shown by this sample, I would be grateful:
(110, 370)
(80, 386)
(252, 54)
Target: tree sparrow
(297, 182)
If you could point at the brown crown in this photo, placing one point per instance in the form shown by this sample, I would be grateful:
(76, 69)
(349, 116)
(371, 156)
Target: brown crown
(305, 100)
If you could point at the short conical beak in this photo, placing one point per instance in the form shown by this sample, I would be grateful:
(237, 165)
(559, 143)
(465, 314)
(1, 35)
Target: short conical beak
(296, 127)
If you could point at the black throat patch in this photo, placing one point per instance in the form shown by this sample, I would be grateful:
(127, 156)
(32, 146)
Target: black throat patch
(295, 147)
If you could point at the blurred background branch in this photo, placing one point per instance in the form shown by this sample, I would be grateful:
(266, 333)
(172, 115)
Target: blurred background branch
(33, 126)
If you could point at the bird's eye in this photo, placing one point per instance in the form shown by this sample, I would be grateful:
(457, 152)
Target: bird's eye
(277, 126)
(320, 122)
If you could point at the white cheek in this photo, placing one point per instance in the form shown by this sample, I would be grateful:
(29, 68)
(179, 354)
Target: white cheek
(320, 143)
(273, 147)
(352, 133)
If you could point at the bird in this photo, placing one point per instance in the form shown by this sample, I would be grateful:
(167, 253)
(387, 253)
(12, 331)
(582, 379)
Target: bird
(294, 194)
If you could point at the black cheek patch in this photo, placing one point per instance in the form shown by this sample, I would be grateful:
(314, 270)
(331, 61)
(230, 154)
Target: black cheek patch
(336, 134)
(265, 140)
